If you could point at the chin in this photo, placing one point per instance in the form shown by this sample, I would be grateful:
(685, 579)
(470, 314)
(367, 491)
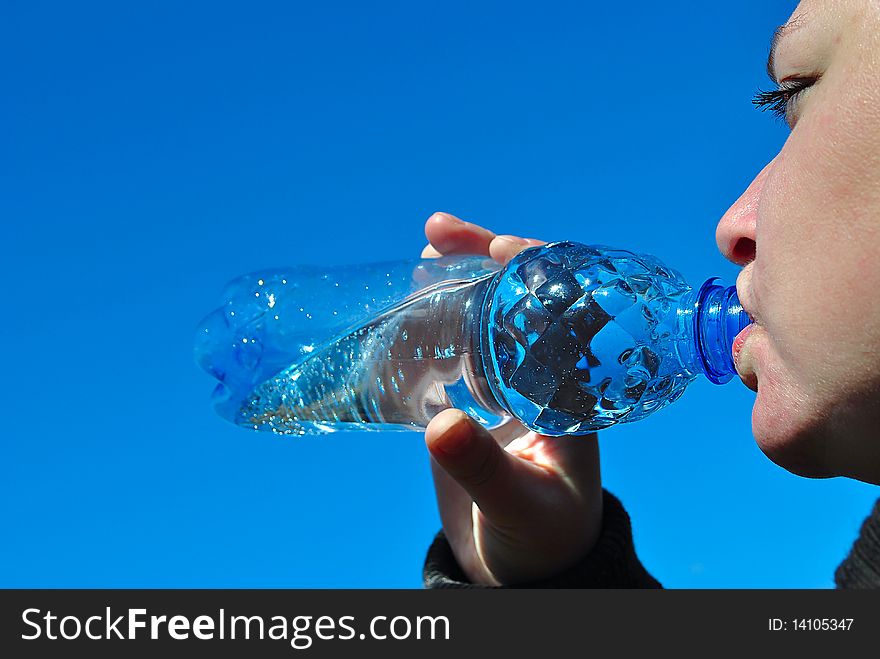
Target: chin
(790, 434)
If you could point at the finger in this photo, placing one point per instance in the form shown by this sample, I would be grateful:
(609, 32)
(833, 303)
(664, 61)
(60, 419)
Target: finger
(503, 486)
(508, 432)
(430, 253)
(504, 248)
(574, 458)
(450, 235)
(454, 501)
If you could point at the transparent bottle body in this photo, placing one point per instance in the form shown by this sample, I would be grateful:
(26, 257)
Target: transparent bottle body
(370, 347)
(566, 338)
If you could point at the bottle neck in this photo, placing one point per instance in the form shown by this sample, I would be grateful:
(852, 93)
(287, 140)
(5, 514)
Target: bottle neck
(710, 318)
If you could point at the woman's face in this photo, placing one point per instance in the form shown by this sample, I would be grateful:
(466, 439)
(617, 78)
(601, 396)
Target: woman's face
(807, 231)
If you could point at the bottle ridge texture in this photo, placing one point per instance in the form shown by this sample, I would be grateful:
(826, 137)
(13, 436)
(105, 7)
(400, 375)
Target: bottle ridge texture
(566, 339)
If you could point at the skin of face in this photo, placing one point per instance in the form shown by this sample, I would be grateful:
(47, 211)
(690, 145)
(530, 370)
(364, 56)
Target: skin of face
(807, 231)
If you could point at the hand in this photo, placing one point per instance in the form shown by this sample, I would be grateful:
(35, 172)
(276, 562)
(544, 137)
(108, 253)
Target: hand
(516, 506)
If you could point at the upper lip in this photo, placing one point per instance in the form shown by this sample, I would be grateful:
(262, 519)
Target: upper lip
(744, 296)
(745, 306)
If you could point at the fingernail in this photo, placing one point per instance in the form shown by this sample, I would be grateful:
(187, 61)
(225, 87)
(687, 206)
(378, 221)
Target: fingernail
(455, 438)
(513, 240)
(447, 217)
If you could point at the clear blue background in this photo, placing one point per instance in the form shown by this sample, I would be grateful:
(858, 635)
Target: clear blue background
(150, 153)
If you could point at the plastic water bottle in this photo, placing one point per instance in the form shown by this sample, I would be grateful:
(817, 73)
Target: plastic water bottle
(566, 338)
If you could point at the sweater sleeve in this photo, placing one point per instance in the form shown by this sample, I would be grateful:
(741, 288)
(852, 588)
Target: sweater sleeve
(861, 568)
(612, 563)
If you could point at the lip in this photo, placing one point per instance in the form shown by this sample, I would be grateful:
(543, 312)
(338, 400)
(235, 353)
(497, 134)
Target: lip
(742, 348)
(743, 359)
(740, 340)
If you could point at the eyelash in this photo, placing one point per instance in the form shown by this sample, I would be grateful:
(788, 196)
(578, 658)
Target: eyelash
(778, 100)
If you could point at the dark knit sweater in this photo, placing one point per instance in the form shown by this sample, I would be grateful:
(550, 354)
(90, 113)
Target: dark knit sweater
(613, 562)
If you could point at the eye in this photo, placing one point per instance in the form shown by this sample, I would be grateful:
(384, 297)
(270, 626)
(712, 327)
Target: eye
(779, 101)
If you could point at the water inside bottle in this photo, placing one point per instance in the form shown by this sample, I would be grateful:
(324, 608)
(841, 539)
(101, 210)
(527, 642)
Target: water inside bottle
(394, 372)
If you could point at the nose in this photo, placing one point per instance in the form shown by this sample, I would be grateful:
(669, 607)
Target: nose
(736, 230)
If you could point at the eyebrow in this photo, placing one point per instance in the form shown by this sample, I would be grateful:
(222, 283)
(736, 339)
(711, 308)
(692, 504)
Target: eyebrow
(778, 35)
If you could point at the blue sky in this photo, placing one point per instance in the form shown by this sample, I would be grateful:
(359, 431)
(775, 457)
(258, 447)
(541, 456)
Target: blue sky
(151, 153)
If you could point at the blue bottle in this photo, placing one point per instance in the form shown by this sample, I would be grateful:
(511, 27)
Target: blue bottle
(566, 338)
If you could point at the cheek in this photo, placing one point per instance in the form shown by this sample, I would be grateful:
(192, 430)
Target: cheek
(815, 264)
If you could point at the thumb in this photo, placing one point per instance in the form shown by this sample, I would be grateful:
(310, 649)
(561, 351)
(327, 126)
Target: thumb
(501, 484)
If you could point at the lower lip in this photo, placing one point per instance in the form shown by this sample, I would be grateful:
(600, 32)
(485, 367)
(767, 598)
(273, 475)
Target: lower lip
(740, 340)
